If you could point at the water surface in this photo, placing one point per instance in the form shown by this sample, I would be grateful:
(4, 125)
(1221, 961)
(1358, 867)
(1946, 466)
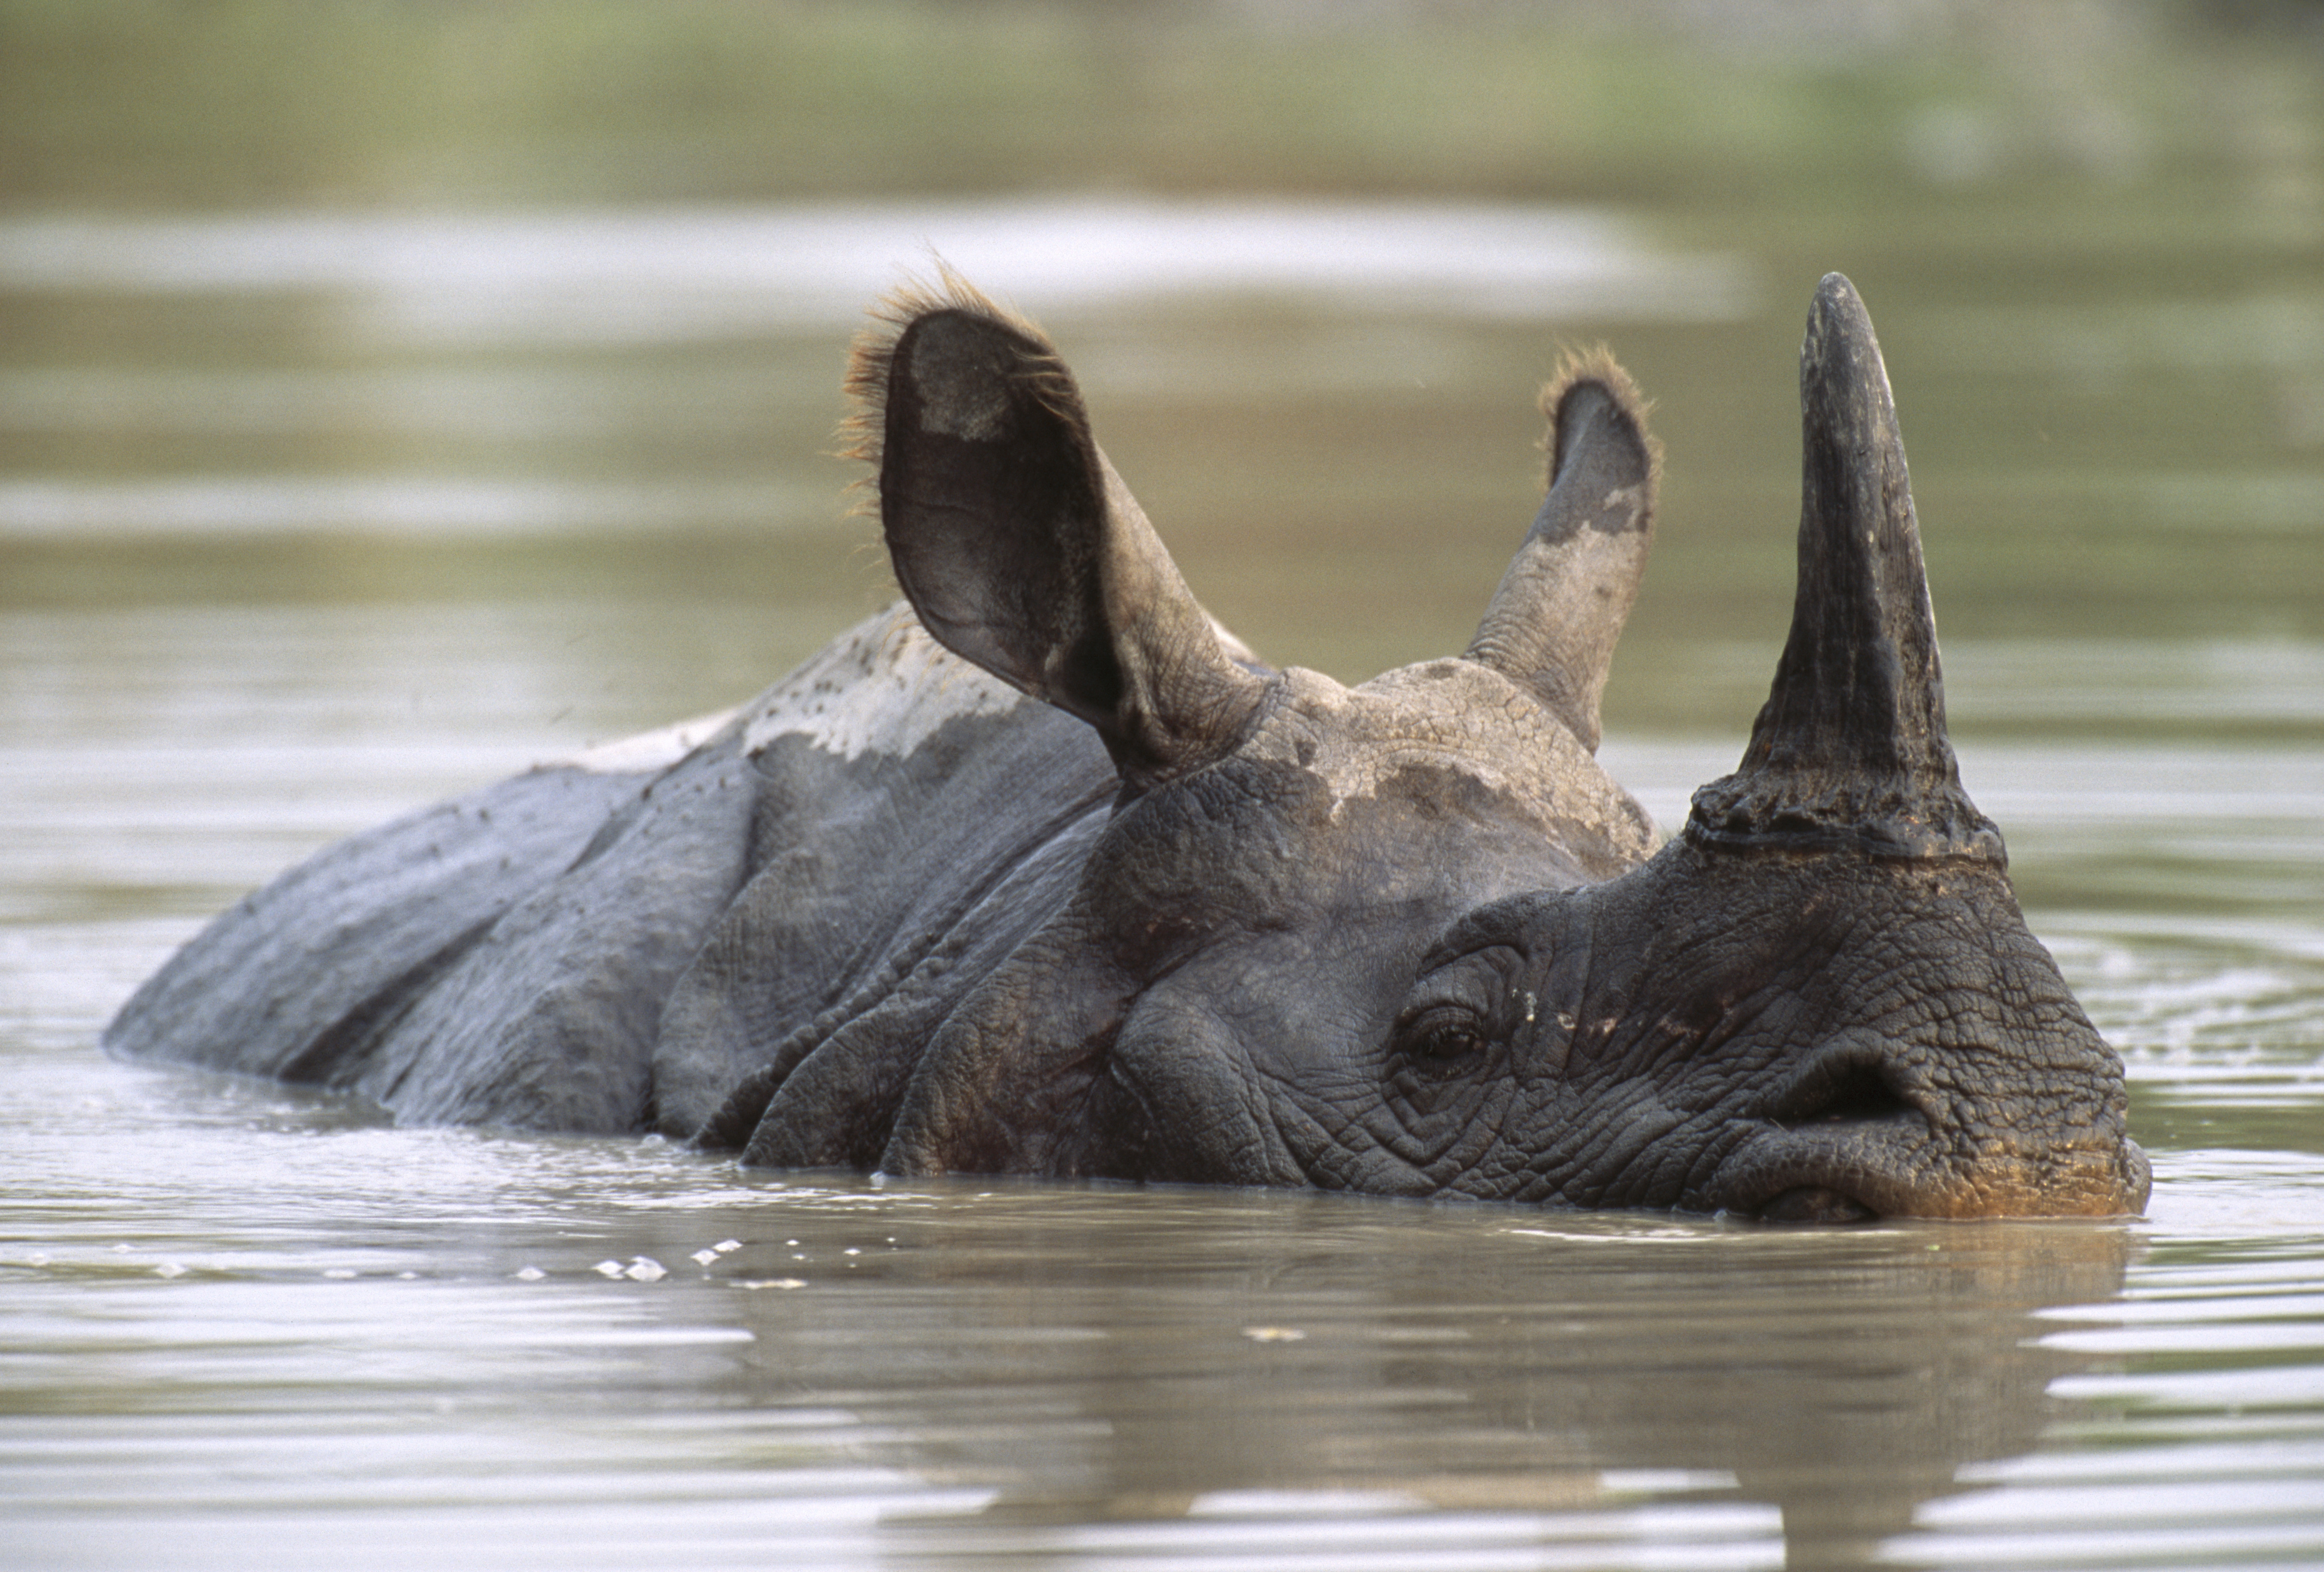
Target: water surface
(341, 515)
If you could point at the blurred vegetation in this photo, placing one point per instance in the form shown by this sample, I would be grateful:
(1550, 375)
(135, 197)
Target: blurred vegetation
(2092, 231)
(177, 103)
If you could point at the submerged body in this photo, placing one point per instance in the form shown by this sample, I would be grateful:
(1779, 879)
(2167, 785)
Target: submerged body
(1039, 872)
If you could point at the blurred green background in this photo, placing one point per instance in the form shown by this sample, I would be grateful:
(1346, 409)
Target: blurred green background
(1714, 106)
(2092, 235)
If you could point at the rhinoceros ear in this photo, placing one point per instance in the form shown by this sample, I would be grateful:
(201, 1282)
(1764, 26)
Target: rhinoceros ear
(1850, 747)
(1020, 548)
(1552, 623)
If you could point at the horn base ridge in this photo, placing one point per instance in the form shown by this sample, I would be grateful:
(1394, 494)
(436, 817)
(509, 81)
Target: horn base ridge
(1749, 811)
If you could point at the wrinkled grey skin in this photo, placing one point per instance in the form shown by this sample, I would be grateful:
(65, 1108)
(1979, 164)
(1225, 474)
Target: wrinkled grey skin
(1042, 874)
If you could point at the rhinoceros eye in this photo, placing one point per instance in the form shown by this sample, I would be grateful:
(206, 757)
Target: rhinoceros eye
(1458, 1015)
(1442, 1039)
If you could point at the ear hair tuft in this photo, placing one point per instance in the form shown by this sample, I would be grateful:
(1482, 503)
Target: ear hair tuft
(871, 356)
(1597, 364)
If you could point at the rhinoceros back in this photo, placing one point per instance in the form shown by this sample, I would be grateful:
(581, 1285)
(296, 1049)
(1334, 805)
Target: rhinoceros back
(509, 958)
(300, 978)
(917, 820)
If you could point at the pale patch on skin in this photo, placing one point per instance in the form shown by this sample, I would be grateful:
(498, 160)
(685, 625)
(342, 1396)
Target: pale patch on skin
(882, 687)
(886, 686)
(649, 751)
(1455, 714)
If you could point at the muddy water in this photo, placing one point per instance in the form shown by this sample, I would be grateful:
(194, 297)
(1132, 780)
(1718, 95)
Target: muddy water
(305, 523)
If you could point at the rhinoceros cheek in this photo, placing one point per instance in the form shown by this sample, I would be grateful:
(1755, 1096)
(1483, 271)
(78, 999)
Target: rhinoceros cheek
(1181, 1103)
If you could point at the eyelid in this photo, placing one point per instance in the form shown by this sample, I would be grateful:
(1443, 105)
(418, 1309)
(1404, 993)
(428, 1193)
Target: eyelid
(1481, 986)
(1458, 976)
(1438, 1012)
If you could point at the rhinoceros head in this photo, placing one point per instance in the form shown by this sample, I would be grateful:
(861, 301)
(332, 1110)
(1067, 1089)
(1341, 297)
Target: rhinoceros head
(1407, 938)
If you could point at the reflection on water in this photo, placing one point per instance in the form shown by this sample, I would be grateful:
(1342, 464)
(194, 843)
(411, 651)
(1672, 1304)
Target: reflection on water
(275, 564)
(465, 510)
(663, 274)
(489, 1330)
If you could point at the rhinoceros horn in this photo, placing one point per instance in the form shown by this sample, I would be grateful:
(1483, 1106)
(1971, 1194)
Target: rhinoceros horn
(1850, 749)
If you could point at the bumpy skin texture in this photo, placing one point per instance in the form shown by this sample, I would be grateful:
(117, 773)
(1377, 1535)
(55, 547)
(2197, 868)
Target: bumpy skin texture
(1040, 873)
(1896, 1042)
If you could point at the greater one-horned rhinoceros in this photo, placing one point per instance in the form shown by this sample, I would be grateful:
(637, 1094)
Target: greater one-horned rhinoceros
(1044, 874)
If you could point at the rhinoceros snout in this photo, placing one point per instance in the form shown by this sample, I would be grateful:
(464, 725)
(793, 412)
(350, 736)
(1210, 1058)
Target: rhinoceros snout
(1856, 1169)
(1858, 1132)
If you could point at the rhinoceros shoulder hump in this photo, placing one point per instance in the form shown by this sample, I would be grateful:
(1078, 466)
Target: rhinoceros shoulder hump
(882, 687)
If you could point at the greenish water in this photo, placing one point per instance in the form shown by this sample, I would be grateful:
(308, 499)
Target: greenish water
(393, 396)
(304, 522)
